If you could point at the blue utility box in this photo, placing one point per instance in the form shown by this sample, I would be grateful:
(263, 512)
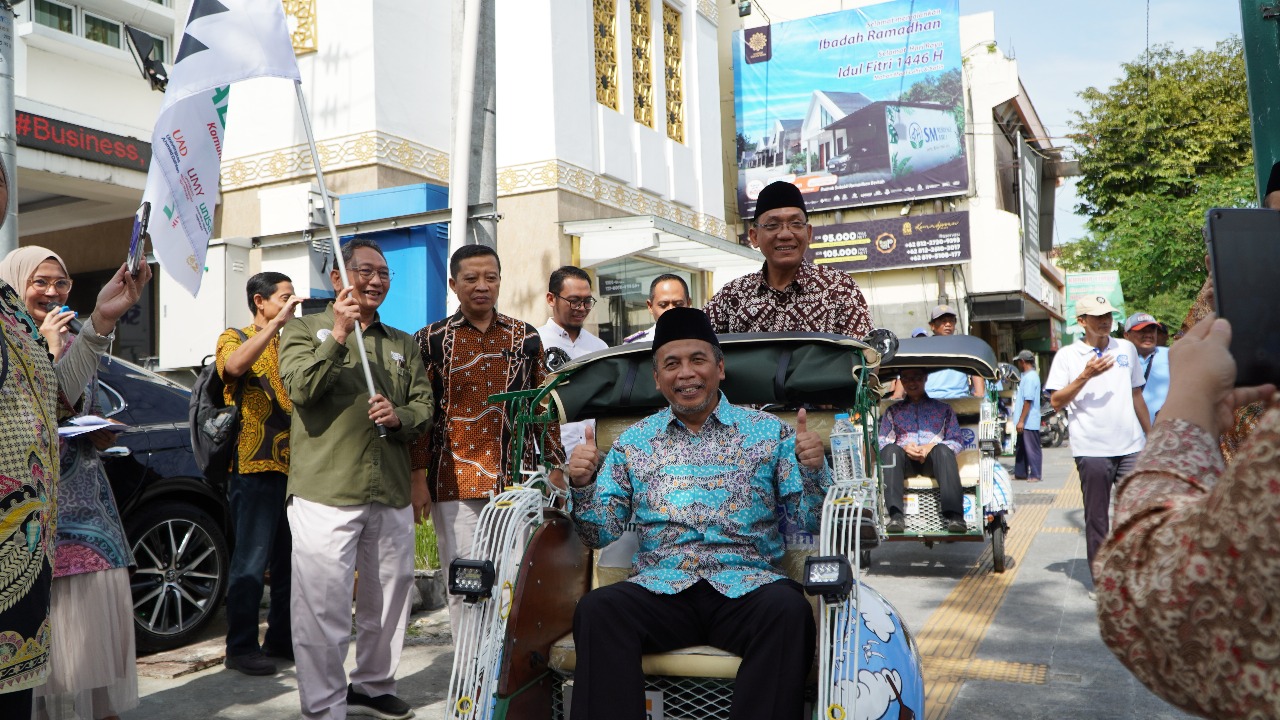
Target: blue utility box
(418, 256)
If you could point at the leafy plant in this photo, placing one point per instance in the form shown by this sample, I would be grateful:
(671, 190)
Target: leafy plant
(1168, 141)
(426, 553)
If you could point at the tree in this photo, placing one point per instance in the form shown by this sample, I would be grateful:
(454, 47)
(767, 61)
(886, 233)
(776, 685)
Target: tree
(1168, 141)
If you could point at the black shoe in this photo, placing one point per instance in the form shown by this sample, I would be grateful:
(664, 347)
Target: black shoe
(254, 663)
(386, 707)
(957, 525)
(284, 653)
(897, 524)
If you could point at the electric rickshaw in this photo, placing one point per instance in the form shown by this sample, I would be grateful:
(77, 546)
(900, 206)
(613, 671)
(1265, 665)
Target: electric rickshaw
(988, 494)
(515, 655)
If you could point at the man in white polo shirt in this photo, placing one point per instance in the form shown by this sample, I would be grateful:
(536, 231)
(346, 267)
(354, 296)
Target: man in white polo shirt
(570, 301)
(1099, 380)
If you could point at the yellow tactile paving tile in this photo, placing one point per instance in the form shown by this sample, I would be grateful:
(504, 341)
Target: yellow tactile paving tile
(950, 638)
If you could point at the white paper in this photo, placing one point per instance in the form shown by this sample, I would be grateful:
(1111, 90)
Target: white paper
(87, 424)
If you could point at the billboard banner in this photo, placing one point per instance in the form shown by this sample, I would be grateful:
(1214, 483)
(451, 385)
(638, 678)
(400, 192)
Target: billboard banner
(918, 241)
(858, 107)
(1104, 283)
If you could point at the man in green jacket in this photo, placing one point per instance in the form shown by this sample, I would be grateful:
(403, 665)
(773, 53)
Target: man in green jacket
(351, 504)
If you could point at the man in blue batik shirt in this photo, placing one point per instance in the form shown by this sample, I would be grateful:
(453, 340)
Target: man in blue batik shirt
(704, 481)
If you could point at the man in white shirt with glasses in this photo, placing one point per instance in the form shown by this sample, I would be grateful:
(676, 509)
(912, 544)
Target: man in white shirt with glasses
(570, 301)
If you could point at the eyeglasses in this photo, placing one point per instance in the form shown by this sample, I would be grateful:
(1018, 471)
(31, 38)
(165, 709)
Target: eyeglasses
(367, 273)
(794, 226)
(585, 303)
(42, 284)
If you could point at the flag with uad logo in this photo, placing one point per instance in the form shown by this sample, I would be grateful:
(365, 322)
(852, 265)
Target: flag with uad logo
(225, 41)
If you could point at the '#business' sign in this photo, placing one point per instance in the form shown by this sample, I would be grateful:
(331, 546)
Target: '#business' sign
(42, 133)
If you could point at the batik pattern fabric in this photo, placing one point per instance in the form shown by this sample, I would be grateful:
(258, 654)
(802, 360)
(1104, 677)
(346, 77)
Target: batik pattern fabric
(706, 505)
(1186, 583)
(817, 300)
(1246, 417)
(265, 408)
(468, 451)
(921, 423)
(28, 495)
(90, 535)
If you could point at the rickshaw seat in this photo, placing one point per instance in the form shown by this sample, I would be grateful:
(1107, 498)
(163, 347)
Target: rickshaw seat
(970, 471)
(698, 661)
(968, 410)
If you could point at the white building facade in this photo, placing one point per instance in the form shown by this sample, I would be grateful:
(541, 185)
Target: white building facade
(600, 150)
(83, 119)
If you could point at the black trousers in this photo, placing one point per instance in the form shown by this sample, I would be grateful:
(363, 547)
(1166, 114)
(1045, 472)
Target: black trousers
(940, 465)
(771, 628)
(1029, 456)
(1097, 475)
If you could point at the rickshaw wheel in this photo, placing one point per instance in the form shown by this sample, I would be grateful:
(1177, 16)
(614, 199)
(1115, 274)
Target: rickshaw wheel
(864, 559)
(997, 545)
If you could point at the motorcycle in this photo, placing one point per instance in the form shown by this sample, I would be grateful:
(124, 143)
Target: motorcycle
(1053, 424)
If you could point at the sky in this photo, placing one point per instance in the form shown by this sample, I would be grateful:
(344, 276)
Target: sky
(1063, 48)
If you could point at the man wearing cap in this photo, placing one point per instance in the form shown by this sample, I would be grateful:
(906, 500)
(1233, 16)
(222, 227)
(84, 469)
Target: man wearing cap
(1144, 332)
(788, 294)
(949, 384)
(1027, 456)
(704, 481)
(1099, 379)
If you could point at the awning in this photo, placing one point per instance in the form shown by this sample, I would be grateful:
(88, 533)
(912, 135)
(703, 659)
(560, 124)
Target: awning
(1010, 306)
(661, 240)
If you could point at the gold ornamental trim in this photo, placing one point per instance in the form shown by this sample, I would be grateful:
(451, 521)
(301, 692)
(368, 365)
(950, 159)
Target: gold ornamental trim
(300, 15)
(709, 10)
(341, 153)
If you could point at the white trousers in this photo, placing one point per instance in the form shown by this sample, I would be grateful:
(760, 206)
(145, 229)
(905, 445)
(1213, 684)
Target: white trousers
(331, 544)
(455, 522)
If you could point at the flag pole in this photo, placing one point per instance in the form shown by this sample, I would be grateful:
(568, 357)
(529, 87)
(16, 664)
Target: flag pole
(333, 234)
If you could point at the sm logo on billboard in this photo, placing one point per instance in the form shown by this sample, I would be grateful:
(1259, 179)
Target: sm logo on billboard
(921, 135)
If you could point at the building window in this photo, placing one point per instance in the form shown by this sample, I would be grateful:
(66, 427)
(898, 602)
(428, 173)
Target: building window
(301, 16)
(58, 17)
(673, 69)
(103, 31)
(642, 61)
(606, 26)
(159, 52)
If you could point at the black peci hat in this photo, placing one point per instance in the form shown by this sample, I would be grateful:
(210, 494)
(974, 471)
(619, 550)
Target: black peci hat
(779, 194)
(683, 323)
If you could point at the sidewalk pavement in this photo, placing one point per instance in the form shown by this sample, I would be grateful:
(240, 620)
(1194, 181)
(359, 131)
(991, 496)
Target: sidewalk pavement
(191, 682)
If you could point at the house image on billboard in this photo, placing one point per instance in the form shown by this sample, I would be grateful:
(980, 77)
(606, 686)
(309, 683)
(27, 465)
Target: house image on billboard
(825, 108)
(781, 145)
(892, 139)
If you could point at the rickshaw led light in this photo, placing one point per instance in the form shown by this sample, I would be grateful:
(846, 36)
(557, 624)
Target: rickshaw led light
(472, 579)
(830, 576)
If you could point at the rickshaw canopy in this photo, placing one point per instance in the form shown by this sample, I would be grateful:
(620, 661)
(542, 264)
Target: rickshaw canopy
(966, 353)
(760, 369)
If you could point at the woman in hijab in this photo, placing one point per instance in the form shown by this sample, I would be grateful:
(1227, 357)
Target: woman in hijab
(93, 672)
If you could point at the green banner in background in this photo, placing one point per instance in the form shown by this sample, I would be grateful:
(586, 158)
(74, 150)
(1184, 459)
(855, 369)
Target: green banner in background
(1103, 282)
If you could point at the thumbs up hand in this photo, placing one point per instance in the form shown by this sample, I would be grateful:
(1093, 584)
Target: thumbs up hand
(585, 460)
(808, 443)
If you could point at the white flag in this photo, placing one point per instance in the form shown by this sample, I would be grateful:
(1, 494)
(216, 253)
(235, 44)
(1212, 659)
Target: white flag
(225, 41)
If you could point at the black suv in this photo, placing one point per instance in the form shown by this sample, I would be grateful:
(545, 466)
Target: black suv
(176, 520)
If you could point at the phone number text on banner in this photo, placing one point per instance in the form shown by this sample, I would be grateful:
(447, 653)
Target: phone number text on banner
(941, 239)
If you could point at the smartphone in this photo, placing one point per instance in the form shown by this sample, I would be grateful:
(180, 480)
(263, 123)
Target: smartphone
(137, 249)
(1244, 252)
